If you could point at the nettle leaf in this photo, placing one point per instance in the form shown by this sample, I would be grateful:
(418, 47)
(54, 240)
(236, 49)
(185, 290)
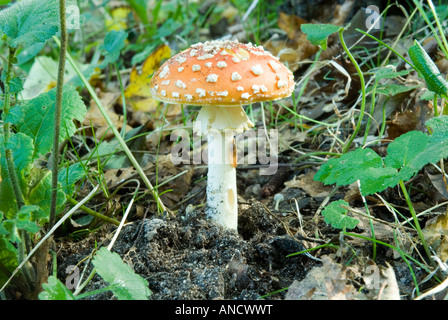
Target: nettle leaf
(22, 153)
(29, 21)
(349, 168)
(54, 289)
(125, 283)
(37, 118)
(336, 216)
(8, 258)
(39, 194)
(113, 44)
(428, 70)
(318, 34)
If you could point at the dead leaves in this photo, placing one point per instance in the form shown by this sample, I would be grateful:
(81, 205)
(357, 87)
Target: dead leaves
(137, 93)
(333, 281)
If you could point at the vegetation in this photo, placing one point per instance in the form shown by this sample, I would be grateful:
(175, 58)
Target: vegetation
(84, 147)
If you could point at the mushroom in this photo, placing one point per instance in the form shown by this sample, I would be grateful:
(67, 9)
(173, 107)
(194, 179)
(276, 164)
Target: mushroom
(221, 76)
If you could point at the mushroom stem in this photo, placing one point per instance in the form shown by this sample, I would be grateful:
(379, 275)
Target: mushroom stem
(220, 123)
(221, 179)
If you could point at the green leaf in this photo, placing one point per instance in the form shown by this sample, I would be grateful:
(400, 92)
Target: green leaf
(8, 258)
(22, 153)
(37, 118)
(68, 176)
(406, 151)
(125, 283)
(428, 70)
(113, 43)
(29, 21)
(388, 72)
(392, 89)
(377, 179)
(39, 194)
(54, 289)
(336, 216)
(349, 168)
(317, 34)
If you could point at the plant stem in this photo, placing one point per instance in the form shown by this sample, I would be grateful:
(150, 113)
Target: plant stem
(93, 213)
(363, 92)
(417, 224)
(58, 111)
(7, 133)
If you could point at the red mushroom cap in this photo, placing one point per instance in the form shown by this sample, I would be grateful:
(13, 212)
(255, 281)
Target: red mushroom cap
(226, 73)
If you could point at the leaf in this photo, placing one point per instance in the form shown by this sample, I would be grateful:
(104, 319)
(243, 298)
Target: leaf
(388, 72)
(378, 179)
(337, 217)
(407, 151)
(113, 43)
(317, 34)
(8, 258)
(392, 89)
(349, 168)
(137, 91)
(29, 22)
(39, 194)
(428, 70)
(38, 118)
(125, 283)
(22, 153)
(54, 289)
(68, 176)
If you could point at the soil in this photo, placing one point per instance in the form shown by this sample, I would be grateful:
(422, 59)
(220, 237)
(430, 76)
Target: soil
(188, 256)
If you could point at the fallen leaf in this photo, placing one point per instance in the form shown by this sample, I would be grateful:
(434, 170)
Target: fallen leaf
(436, 234)
(309, 185)
(137, 92)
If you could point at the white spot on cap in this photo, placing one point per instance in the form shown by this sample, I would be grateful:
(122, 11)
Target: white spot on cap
(240, 88)
(274, 65)
(256, 70)
(208, 64)
(164, 72)
(201, 92)
(221, 64)
(235, 76)
(166, 82)
(235, 59)
(189, 97)
(181, 59)
(224, 52)
(245, 95)
(196, 67)
(206, 56)
(222, 93)
(193, 52)
(180, 84)
(212, 77)
(180, 69)
(263, 88)
(175, 94)
(163, 93)
(281, 83)
(256, 88)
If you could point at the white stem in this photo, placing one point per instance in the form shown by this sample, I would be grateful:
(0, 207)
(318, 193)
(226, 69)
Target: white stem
(221, 180)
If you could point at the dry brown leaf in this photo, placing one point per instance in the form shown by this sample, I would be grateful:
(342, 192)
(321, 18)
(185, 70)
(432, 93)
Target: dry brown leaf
(95, 118)
(309, 185)
(403, 122)
(436, 234)
(328, 282)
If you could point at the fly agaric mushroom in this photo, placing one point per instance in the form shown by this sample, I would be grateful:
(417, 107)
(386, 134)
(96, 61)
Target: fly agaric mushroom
(221, 76)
